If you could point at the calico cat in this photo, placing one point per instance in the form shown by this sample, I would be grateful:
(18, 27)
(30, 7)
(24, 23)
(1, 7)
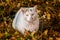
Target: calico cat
(26, 19)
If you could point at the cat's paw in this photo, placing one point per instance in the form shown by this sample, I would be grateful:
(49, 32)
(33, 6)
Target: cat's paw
(25, 32)
(33, 32)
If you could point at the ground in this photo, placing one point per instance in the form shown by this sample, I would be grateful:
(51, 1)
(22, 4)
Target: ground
(49, 19)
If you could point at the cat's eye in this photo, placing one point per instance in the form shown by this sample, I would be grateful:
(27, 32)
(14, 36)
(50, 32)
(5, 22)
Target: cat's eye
(27, 15)
(32, 14)
(30, 9)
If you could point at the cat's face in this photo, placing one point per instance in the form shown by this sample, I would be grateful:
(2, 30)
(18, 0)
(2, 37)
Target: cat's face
(30, 14)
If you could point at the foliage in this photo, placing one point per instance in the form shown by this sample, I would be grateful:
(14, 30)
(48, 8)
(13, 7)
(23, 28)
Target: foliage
(49, 19)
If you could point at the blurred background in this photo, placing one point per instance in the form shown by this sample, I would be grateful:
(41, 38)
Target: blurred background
(49, 19)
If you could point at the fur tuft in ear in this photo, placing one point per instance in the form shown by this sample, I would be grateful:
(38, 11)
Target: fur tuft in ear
(36, 9)
(23, 10)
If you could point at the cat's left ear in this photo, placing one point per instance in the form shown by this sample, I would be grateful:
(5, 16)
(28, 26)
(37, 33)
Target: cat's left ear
(23, 10)
(36, 9)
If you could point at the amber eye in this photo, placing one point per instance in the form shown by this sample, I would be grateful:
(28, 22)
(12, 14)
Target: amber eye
(30, 9)
(27, 15)
(32, 14)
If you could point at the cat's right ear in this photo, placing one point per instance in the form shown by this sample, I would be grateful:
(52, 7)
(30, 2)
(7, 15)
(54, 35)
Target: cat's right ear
(23, 10)
(36, 9)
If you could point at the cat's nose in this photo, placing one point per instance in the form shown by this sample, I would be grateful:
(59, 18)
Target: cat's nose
(32, 18)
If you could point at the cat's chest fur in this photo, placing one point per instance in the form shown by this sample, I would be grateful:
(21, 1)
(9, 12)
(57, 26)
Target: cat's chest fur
(31, 26)
(22, 26)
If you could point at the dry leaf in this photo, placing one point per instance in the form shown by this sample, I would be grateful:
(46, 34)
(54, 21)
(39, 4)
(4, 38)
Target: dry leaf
(58, 38)
(18, 5)
(45, 32)
(1, 35)
(50, 38)
(48, 16)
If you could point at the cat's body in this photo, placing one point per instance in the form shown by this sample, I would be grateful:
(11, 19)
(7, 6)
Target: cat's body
(26, 19)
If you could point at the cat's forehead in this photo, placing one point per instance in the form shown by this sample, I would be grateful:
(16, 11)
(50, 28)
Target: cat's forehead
(30, 8)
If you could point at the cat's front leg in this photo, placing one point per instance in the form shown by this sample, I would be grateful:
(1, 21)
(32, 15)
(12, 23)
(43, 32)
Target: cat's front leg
(33, 32)
(26, 32)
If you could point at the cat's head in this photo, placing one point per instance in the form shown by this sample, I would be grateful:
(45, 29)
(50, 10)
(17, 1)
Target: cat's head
(30, 14)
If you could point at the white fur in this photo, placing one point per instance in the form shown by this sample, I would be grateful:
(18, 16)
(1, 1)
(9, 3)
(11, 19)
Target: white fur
(21, 24)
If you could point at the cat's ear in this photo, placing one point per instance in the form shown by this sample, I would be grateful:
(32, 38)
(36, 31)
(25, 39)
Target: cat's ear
(36, 9)
(23, 10)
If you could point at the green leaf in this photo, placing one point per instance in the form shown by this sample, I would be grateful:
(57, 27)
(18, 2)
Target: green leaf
(19, 38)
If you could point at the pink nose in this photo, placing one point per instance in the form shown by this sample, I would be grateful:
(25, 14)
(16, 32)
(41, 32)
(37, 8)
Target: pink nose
(32, 18)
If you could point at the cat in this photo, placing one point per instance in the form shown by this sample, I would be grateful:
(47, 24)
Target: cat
(26, 19)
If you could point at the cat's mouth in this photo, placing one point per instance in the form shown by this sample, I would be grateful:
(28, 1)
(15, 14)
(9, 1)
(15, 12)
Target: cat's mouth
(31, 21)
